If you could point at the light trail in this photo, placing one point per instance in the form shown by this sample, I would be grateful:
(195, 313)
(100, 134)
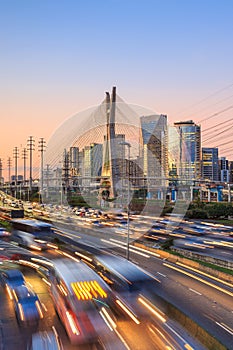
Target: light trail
(205, 274)
(123, 247)
(199, 279)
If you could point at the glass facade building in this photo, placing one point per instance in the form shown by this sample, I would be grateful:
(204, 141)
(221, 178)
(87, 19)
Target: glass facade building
(210, 169)
(189, 157)
(154, 155)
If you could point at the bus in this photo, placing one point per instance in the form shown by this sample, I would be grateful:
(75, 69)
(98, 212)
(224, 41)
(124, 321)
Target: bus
(31, 233)
(82, 301)
(123, 276)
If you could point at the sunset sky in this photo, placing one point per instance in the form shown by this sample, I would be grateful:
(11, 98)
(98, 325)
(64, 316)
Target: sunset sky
(59, 57)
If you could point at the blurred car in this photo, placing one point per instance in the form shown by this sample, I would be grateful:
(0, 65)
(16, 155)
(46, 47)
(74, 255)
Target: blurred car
(4, 232)
(45, 341)
(27, 305)
(11, 279)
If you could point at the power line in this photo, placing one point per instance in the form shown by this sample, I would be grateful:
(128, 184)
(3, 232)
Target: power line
(213, 127)
(208, 97)
(218, 133)
(216, 114)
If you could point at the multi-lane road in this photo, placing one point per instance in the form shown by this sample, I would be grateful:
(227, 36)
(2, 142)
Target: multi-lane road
(147, 333)
(206, 300)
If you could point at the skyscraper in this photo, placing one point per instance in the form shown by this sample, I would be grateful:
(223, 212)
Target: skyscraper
(224, 169)
(92, 163)
(210, 163)
(154, 155)
(189, 157)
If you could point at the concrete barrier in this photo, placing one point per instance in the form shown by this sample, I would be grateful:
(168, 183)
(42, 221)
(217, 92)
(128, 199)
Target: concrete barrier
(192, 327)
(194, 264)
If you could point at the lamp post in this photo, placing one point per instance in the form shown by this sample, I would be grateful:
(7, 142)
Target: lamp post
(127, 144)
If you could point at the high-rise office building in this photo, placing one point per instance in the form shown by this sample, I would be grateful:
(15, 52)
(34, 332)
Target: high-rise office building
(224, 169)
(210, 163)
(154, 155)
(92, 163)
(189, 157)
(74, 160)
(230, 165)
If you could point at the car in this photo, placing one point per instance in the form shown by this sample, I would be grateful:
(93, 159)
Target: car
(4, 232)
(12, 279)
(27, 305)
(45, 341)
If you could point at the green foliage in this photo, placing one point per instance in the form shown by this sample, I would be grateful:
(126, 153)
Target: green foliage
(167, 244)
(196, 213)
(5, 224)
(219, 210)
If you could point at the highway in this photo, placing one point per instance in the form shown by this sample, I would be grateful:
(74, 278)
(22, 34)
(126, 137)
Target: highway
(130, 334)
(207, 301)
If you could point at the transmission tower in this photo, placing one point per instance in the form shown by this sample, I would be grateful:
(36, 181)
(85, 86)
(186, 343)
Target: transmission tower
(24, 157)
(42, 146)
(16, 156)
(9, 163)
(30, 148)
(1, 179)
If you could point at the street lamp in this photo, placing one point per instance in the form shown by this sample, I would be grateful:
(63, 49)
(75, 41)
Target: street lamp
(127, 144)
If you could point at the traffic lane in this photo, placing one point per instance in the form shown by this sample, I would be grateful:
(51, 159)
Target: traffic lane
(150, 263)
(211, 316)
(224, 329)
(209, 308)
(51, 319)
(136, 331)
(13, 336)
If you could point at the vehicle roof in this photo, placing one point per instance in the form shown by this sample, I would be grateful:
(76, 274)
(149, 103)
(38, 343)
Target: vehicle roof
(74, 271)
(13, 274)
(44, 341)
(32, 222)
(23, 292)
(123, 268)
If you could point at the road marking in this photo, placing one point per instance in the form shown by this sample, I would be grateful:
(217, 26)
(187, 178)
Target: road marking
(135, 247)
(121, 246)
(161, 274)
(179, 336)
(224, 326)
(199, 279)
(205, 274)
(194, 291)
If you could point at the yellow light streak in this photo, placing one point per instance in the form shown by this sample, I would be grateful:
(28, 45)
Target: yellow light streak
(87, 290)
(50, 245)
(206, 274)
(199, 279)
(35, 247)
(39, 309)
(131, 315)
(151, 308)
(21, 312)
(83, 256)
(42, 261)
(48, 283)
(9, 292)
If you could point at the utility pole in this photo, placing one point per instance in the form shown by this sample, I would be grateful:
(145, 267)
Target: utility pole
(24, 157)
(9, 163)
(41, 150)
(1, 171)
(16, 156)
(31, 148)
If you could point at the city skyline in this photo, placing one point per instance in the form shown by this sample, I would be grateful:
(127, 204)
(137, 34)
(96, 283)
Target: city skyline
(58, 58)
